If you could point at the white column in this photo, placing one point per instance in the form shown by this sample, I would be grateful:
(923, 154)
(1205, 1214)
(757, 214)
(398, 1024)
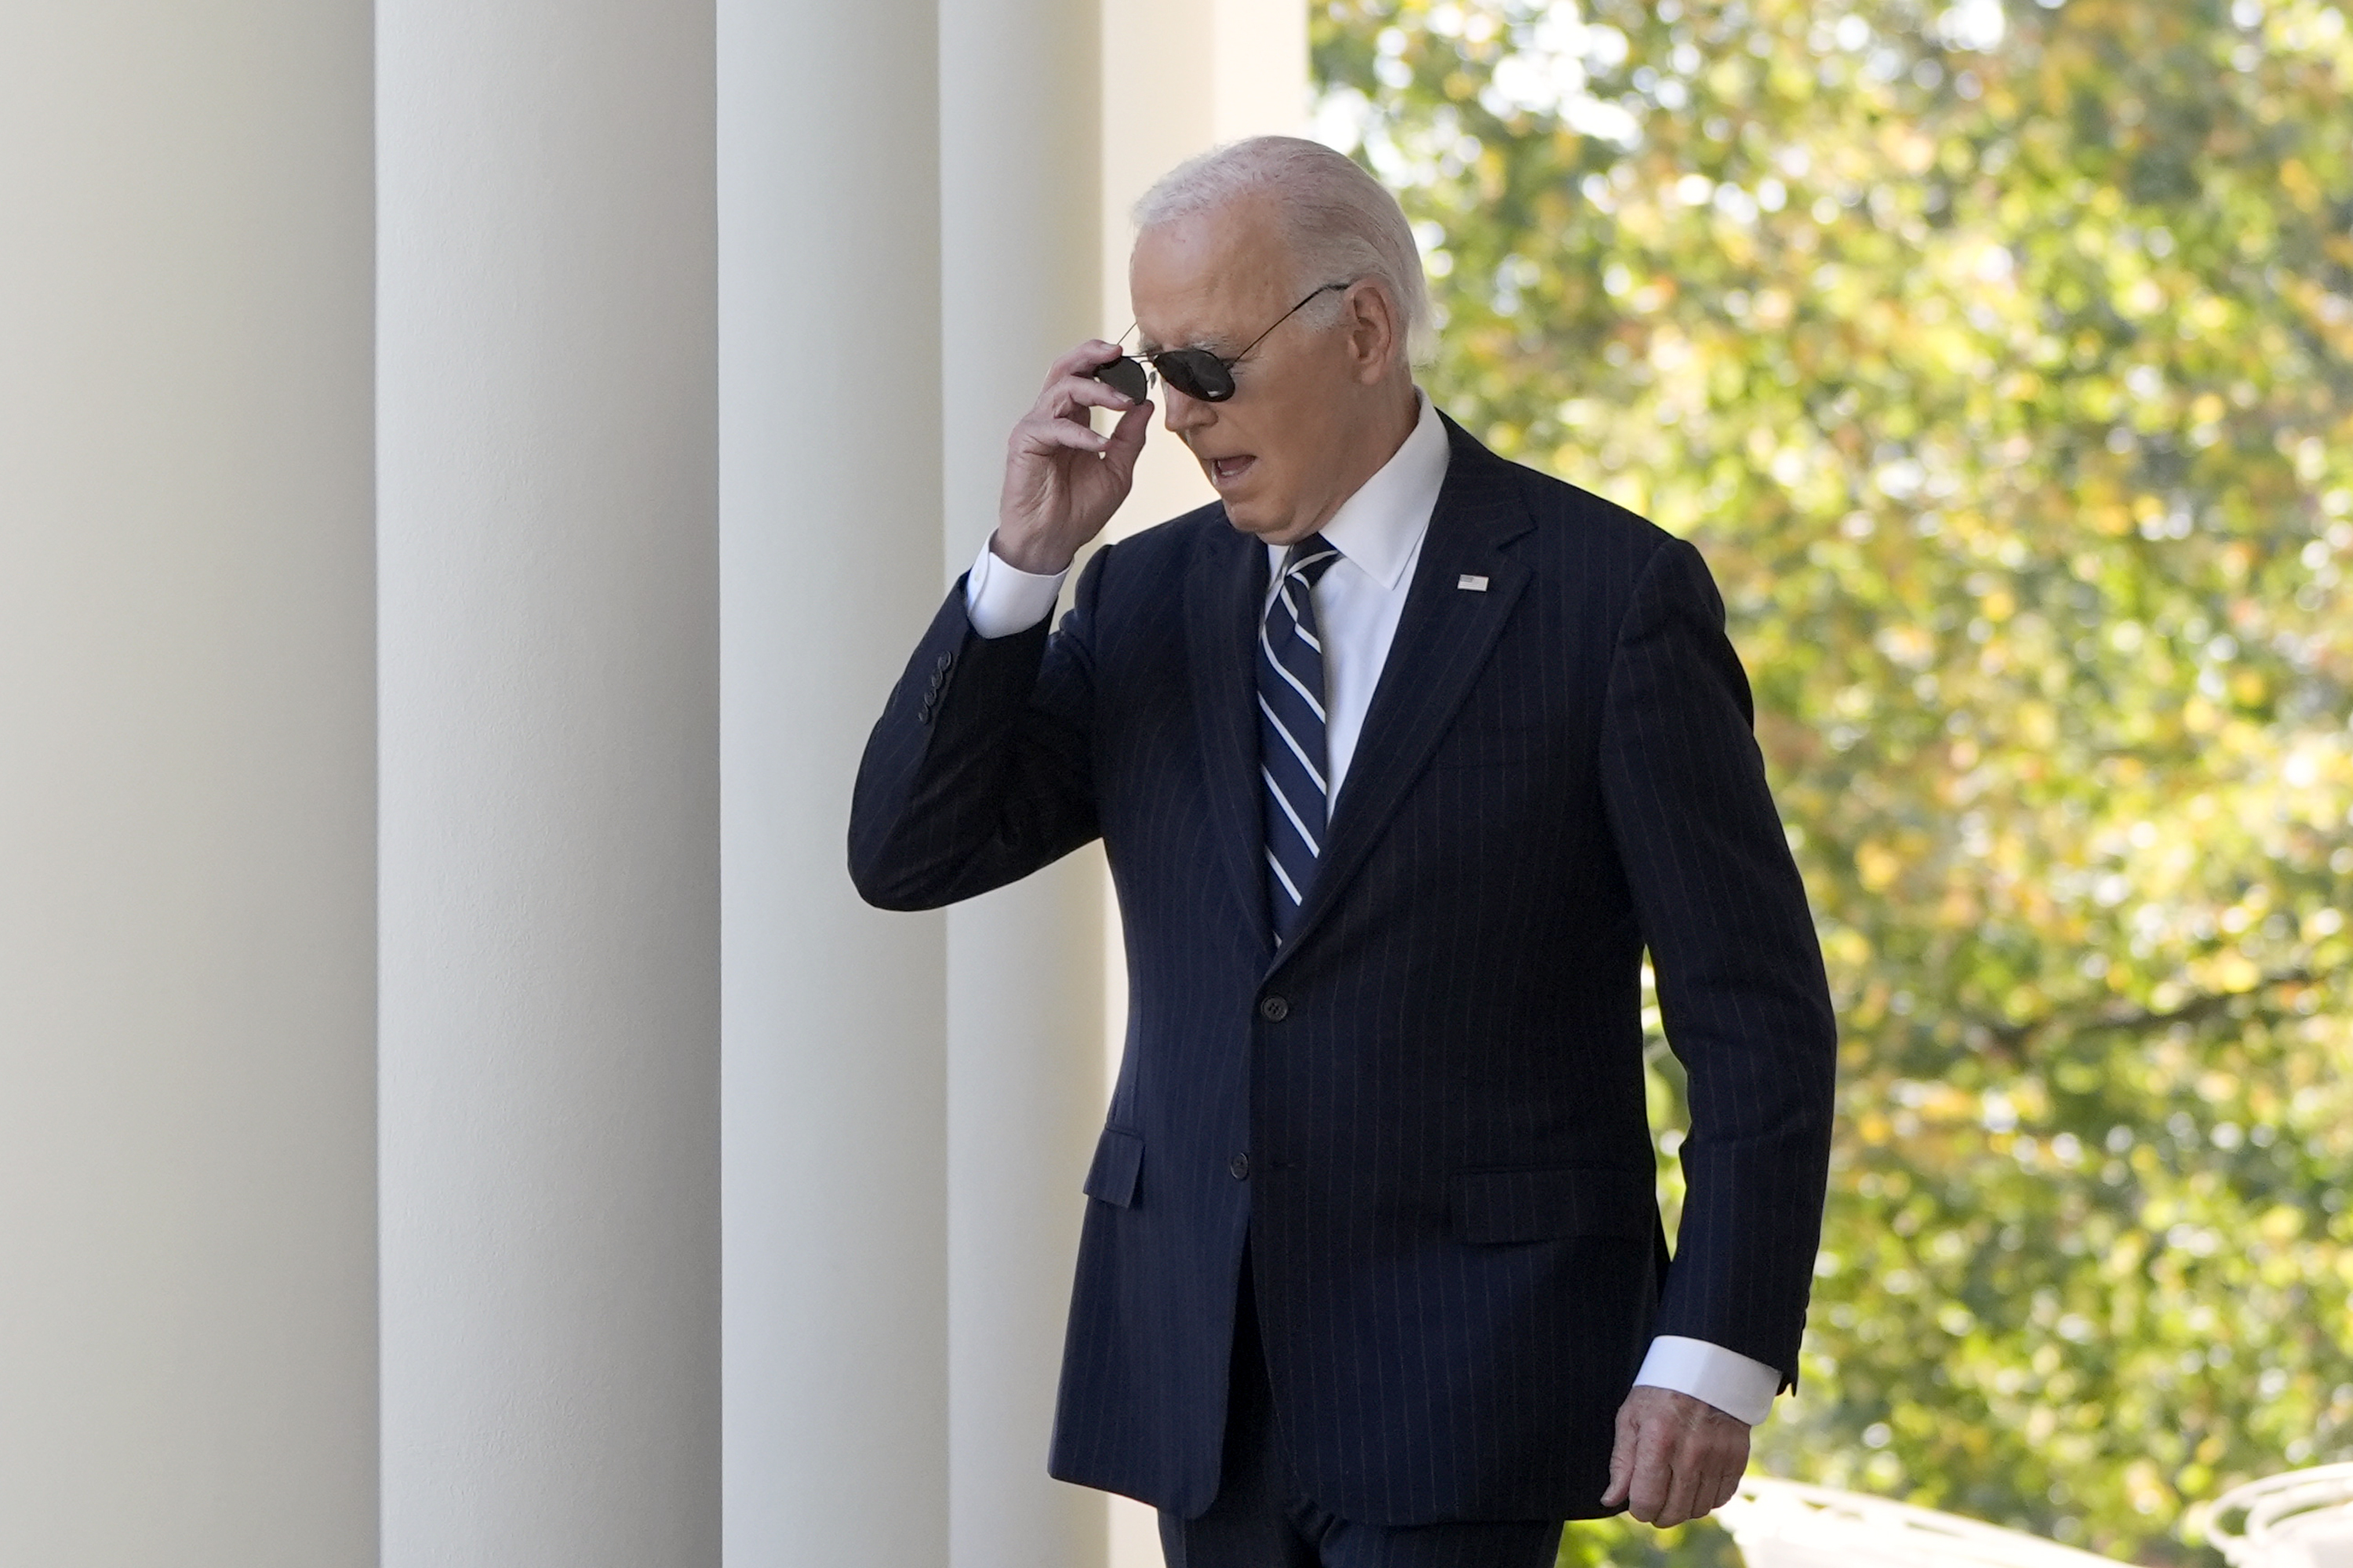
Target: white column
(835, 1117)
(1180, 77)
(549, 662)
(187, 1191)
(1019, 177)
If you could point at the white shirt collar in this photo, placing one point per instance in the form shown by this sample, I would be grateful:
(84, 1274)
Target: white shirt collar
(1379, 527)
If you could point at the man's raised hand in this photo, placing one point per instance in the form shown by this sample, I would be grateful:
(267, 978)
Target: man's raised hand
(1677, 1458)
(1062, 481)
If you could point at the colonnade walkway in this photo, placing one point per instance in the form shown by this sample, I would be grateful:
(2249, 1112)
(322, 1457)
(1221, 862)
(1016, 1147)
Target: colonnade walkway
(469, 471)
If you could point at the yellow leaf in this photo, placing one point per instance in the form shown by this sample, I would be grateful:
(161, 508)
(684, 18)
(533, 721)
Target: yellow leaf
(2298, 181)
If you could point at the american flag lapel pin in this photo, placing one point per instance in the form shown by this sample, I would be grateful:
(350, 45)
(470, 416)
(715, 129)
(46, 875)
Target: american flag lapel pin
(1470, 584)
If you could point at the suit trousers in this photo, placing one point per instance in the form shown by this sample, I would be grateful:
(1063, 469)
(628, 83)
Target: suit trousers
(1260, 1519)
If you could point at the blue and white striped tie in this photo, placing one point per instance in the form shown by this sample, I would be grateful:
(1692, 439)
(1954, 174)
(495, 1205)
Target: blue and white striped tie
(1291, 732)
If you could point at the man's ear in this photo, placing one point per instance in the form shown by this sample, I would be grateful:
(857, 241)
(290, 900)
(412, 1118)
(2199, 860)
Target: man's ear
(1373, 329)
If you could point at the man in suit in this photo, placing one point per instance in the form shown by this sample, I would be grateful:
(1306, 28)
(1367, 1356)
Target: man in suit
(1401, 755)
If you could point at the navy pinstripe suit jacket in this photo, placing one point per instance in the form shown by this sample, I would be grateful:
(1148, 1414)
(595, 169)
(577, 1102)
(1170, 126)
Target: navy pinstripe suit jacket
(1438, 1084)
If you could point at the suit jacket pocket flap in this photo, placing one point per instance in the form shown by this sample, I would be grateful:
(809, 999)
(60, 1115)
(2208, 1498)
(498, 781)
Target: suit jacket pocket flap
(1119, 1160)
(1548, 1202)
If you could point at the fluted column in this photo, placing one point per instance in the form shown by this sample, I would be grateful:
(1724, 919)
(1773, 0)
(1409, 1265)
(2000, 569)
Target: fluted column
(1019, 174)
(549, 662)
(187, 898)
(834, 1119)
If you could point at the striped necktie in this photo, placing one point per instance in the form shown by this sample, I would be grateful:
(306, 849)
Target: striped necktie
(1291, 732)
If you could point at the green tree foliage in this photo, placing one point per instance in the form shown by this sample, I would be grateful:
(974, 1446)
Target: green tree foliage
(1998, 358)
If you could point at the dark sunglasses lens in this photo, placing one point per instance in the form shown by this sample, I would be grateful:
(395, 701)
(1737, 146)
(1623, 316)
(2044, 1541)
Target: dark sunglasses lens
(1125, 375)
(1197, 373)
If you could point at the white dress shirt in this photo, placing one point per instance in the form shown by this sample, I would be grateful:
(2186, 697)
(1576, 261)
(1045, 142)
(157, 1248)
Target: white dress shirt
(1378, 531)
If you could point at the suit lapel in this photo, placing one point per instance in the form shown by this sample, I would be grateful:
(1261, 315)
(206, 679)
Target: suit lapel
(1222, 593)
(1443, 640)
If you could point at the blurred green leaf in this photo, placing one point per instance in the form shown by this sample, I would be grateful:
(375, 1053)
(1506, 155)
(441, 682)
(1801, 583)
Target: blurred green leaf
(1997, 355)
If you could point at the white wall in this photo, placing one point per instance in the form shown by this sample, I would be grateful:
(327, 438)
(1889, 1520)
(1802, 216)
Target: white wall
(1021, 245)
(550, 783)
(834, 1114)
(188, 1197)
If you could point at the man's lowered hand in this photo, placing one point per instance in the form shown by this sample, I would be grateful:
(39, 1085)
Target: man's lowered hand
(1676, 1459)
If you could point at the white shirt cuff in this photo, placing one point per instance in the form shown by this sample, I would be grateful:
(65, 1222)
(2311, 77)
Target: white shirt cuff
(1741, 1388)
(1000, 601)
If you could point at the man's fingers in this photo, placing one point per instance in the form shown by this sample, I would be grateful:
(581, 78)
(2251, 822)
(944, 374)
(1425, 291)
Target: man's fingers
(1071, 397)
(1081, 360)
(1622, 1475)
(1621, 1457)
(1646, 1495)
(1707, 1463)
(1050, 503)
(1686, 1472)
(1041, 436)
(1675, 1460)
(1621, 1472)
(1127, 441)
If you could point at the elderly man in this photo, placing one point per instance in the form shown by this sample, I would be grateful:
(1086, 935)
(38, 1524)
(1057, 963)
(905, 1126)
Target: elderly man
(1402, 755)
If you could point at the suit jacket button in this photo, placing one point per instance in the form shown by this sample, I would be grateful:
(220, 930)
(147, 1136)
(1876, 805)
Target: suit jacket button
(1240, 1166)
(1274, 1010)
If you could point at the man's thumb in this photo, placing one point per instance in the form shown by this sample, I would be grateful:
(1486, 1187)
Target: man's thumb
(1621, 1466)
(1126, 439)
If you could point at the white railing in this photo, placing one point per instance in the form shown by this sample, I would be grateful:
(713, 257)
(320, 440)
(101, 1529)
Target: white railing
(2301, 1519)
(1788, 1524)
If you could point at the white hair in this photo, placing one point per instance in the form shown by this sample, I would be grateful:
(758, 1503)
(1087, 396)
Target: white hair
(1340, 223)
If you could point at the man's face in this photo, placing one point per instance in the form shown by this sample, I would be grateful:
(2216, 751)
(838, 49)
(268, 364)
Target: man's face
(1290, 444)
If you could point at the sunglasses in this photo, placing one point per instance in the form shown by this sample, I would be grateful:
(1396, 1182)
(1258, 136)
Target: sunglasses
(1195, 372)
